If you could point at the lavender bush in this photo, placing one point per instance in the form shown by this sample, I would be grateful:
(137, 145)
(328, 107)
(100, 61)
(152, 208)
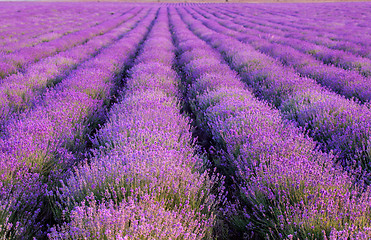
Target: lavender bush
(45, 142)
(185, 121)
(19, 92)
(286, 186)
(145, 175)
(327, 116)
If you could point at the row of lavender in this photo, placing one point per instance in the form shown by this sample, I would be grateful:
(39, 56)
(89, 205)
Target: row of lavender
(25, 29)
(338, 26)
(346, 82)
(303, 42)
(279, 33)
(14, 61)
(339, 124)
(287, 188)
(144, 181)
(39, 147)
(21, 25)
(146, 178)
(21, 91)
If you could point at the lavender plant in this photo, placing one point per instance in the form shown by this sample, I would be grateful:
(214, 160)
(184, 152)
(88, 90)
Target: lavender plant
(328, 121)
(185, 121)
(17, 60)
(286, 187)
(348, 83)
(45, 142)
(20, 91)
(293, 38)
(145, 176)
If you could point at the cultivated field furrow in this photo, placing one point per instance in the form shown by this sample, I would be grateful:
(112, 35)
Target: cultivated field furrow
(21, 91)
(32, 31)
(41, 146)
(318, 36)
(322, 25)
(16, 16)
(28, 26)
(275, 167)
(133, 121)
(146, 171)
(15, 61)
(348, 83)
(338, 58)
(339, 124)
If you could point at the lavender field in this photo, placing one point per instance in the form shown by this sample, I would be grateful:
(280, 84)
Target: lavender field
(185, 121)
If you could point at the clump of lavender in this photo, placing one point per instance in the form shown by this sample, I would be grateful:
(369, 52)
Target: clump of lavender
(39, 147)
(338, 124)
(145, 181)
(18, 91)
(286, 187)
